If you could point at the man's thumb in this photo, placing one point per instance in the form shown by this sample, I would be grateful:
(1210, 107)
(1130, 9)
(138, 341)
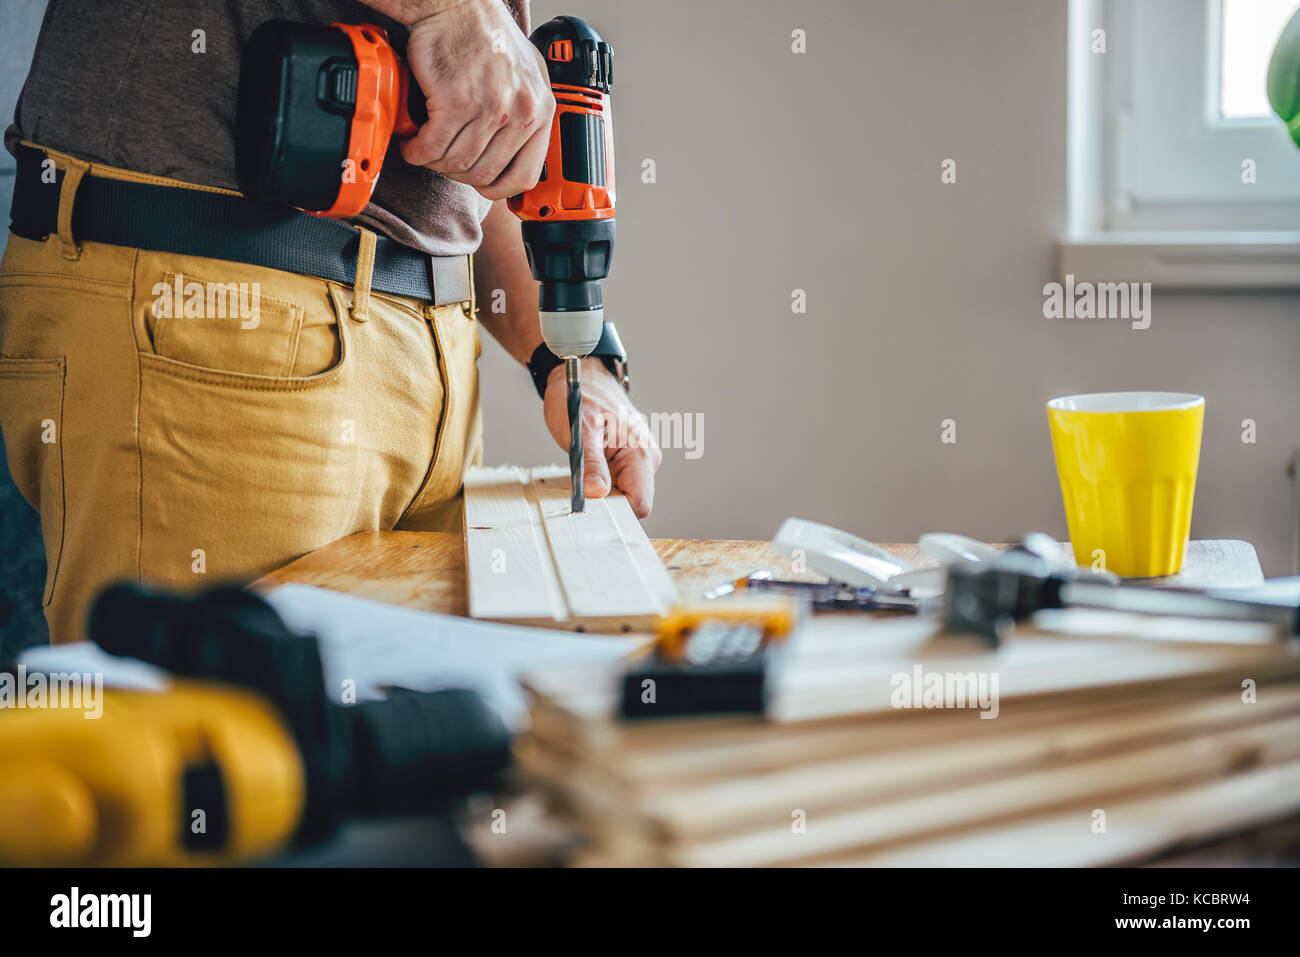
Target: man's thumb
(595, 469)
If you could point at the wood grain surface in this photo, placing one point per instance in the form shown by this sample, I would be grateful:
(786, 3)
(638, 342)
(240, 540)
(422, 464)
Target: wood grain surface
(426, 570)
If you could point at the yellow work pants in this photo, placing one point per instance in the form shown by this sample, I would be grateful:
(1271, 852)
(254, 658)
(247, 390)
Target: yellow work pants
(166, 438)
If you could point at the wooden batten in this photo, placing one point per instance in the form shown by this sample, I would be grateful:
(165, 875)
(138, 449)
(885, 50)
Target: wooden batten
(531, 561)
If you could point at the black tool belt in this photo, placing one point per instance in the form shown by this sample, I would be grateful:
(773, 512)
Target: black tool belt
(193, 222)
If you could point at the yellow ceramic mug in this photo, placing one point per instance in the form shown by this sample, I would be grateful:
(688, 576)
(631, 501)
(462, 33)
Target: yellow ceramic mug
(1127, 463)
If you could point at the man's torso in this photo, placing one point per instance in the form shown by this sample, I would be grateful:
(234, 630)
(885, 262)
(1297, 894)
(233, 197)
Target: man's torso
(131, 83)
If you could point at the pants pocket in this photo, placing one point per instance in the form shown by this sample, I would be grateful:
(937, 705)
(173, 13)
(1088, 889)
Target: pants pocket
(241, 473)
(31, 418)
(230, 318)
(226, 326)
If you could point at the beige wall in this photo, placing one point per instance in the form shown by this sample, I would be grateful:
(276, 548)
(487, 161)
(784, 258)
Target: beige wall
(821, 171)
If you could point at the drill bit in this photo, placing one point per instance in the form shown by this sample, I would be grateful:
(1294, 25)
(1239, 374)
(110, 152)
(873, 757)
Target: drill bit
(573, 376)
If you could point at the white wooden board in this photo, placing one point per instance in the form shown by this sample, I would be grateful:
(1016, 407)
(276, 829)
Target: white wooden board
(530, 560)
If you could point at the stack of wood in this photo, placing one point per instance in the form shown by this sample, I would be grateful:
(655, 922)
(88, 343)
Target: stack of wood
(1105, 740)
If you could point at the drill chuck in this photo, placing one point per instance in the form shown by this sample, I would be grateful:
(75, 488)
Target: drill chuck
(572, 333)
(569, 258)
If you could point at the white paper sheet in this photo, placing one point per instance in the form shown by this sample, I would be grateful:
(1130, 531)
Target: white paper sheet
(377, 646)
(85, 657)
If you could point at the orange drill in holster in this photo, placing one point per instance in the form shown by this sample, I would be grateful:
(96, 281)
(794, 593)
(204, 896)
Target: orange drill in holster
(320, 105)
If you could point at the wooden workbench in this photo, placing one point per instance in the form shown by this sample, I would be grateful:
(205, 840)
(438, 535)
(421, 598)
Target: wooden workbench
(426, 570)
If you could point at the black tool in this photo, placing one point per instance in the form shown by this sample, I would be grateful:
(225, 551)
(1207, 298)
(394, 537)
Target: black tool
(828, 596)
(988, 597)
(711, 658)
(414, 752)
(573, 383)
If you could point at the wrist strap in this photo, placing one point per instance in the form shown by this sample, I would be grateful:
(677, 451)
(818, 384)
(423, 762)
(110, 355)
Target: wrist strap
(609, 350)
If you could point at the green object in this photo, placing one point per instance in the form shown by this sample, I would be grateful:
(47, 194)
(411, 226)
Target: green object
(1284, 78)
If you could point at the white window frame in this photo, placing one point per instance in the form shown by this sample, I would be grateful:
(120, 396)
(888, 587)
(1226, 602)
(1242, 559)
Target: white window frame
(1141, 153)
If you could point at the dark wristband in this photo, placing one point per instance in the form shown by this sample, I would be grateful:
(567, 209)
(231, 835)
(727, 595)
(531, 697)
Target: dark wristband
(609, 350)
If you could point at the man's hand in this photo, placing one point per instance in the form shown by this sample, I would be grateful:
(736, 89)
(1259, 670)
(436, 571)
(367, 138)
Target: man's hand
(488, 96)
(616, 443)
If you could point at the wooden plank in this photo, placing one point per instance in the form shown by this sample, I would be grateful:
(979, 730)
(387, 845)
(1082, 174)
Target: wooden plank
(508, 567)
(902, 743)
(531, 560)
(1092, 781)
(964, 807)
(602, 556)
(1136, 828)
(845, 665)
(748, 800)
(654, 576)
(655, 757)
(1139, 830)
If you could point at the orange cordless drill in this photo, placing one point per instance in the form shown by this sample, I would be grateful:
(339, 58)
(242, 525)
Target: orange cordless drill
(320, 105)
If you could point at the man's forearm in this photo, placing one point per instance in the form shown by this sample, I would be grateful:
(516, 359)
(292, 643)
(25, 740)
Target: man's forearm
(502, 281)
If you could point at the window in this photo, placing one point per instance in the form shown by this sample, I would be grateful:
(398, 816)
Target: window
(1248, 31)
(1178, 160)
(1174, 152)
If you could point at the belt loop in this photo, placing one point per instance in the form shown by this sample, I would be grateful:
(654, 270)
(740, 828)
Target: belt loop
(365, 270)
(74, 170)
(471, 305)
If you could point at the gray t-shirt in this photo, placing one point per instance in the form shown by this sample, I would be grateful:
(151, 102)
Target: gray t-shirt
(120, 83)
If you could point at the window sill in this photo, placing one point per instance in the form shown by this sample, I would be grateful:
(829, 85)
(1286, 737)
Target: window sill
(1192, 260)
